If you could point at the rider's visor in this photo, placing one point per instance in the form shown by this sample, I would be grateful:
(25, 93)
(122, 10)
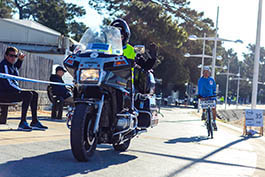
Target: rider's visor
(89, 75)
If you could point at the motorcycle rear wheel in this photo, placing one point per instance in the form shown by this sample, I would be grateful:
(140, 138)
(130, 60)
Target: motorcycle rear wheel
(83, 140)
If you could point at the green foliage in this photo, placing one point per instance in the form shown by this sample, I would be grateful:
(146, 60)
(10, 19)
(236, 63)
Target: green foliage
(229, 58)
(162, 29)
(247, 71)
(77, 30)
(55, 14)
(5, 9)
(24, 7)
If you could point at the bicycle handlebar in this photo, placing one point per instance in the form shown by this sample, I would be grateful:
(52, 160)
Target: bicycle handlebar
(207, 97)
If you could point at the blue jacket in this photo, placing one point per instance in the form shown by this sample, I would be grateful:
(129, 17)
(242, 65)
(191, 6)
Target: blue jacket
(206, 87)
(8, 85)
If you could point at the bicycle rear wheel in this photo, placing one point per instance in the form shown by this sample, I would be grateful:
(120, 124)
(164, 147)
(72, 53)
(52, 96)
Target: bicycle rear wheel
(209, 124)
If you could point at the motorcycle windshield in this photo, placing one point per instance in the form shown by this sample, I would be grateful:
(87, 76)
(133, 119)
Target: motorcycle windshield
(102, 39)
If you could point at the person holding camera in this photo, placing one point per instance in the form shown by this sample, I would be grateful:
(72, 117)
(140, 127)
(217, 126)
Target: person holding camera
(11, 92)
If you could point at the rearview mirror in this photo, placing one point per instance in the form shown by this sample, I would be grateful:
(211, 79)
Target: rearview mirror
(139, 49)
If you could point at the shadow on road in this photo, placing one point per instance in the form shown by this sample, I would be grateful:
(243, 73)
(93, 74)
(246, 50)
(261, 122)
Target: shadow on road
(203, 159)
(15, 130)
(41, 118)
(61, 163)
(187, 140)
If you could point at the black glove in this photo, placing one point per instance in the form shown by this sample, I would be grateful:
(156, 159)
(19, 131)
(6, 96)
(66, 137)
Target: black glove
(140, 60)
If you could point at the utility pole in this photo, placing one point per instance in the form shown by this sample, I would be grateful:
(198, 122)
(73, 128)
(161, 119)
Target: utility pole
(256, 61)
(215, 44)
(227, 82)
(238, 82)
(203, 53)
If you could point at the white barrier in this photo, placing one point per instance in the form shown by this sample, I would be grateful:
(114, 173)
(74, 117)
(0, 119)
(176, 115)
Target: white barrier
(8, 76)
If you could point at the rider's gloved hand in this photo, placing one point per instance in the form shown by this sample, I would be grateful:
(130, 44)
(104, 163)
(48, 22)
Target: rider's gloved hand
(139, 59)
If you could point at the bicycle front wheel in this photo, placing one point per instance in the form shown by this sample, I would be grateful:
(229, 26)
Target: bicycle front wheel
(209, 124)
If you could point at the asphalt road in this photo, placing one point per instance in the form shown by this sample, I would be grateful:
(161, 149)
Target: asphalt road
(178, 146)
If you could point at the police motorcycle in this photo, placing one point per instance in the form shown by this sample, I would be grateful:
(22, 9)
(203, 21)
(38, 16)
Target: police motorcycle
(104, 96)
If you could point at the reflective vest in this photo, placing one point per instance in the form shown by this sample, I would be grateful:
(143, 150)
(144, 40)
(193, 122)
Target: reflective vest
(128, 52)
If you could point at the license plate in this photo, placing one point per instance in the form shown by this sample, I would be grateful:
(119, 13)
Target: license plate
(208, 104)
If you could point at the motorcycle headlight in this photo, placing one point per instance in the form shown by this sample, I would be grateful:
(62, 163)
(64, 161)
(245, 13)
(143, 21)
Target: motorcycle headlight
(89, 75)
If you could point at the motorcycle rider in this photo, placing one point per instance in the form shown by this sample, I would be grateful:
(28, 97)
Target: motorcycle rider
(145, 62)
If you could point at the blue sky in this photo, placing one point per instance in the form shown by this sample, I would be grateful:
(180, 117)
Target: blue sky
(237, 19)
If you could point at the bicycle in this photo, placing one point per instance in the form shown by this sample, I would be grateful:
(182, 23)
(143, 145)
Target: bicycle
(208, 104)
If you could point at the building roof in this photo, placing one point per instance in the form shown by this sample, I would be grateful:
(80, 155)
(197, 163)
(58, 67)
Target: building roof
(33, 25)
(33, 37)
(38, 48)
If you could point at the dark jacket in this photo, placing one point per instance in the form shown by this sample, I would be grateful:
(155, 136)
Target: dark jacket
(8, 85)
(59, 90)
(147, 61)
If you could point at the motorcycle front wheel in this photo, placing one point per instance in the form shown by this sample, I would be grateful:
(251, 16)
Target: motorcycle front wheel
(83, 140)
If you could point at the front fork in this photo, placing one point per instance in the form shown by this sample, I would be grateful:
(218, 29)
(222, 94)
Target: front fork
(70, 114)
(209, 115)
(100, 106)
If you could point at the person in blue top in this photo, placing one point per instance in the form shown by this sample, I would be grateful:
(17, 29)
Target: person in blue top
(207, 87)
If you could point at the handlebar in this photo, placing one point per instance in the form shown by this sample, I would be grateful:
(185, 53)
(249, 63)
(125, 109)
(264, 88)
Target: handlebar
(206, 98)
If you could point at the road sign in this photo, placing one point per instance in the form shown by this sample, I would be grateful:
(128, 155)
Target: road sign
(253, 118)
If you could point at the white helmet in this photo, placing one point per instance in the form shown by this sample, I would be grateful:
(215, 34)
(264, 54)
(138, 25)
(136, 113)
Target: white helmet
(206, 68)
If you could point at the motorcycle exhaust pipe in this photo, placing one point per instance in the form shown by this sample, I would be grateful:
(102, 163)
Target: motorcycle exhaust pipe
(128, 130)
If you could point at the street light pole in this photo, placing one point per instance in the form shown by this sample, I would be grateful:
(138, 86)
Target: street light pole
(203, 53)
(215, 45)
(256, 61)
(238, 82)
(227, 82)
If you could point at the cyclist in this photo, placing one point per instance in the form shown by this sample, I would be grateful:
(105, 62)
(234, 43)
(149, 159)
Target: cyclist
(206, 88)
